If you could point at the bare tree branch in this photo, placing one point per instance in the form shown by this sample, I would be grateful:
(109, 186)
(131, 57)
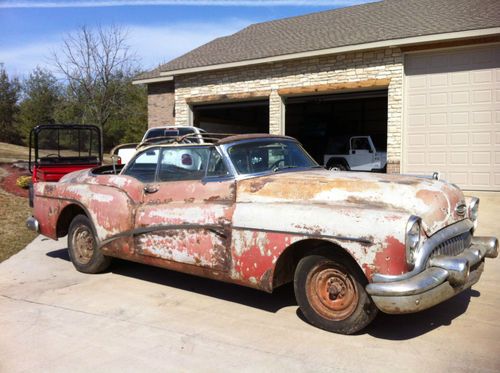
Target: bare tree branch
(96, 63)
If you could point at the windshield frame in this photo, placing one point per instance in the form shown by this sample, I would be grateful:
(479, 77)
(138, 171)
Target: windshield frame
(225, 150)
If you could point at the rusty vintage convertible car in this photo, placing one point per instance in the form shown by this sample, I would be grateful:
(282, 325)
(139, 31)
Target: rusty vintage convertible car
(256, 210)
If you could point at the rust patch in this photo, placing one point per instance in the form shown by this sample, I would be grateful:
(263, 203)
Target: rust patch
(391, 260)
(212, 199)
(433, 198)
(49, 188)
(369, 204)
(368, 270)
(258, 184)
(293, 187)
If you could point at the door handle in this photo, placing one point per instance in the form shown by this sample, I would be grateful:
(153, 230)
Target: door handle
(150, 189)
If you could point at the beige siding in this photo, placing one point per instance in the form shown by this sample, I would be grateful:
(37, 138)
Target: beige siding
(452, 115)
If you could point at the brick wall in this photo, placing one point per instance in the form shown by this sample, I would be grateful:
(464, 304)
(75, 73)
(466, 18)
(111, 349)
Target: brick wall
(161, 104)
(384, 64)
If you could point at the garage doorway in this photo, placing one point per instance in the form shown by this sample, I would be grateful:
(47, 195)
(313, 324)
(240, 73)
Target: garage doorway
(323, 122)
(234, 117)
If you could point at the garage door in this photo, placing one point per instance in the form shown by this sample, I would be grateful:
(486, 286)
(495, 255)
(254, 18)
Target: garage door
(452, 116)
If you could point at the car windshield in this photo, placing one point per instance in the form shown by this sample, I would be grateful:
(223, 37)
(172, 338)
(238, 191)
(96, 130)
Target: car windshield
(269, 156)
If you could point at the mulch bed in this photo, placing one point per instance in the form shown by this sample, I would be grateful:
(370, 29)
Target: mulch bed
(8, 183)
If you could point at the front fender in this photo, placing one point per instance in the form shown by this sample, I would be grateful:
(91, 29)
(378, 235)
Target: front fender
(373, 237)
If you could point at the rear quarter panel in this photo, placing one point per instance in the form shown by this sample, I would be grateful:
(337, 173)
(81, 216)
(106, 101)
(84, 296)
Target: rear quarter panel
(109, 207)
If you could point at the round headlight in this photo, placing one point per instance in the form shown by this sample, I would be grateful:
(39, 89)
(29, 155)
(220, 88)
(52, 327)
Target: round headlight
(413, 236)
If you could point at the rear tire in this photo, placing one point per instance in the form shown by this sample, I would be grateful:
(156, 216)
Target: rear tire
(82, 247)
(330, 292)
(337, 167)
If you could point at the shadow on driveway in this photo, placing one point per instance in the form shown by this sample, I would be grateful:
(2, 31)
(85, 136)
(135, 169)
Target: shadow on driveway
(390, 327)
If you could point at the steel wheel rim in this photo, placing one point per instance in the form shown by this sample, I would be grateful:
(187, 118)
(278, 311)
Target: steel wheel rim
(83, 243)
(332, 292)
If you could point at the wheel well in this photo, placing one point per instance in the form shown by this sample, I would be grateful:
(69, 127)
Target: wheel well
(66, 217)
(284, 270)
(341, 161)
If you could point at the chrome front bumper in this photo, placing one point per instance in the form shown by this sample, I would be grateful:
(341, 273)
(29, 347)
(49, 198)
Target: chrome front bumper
(444, 277)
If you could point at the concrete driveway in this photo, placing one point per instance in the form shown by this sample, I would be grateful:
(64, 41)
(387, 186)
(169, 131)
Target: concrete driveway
(138, 318)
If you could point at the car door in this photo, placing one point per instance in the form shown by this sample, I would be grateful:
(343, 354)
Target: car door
(186, 212)
(361, 154)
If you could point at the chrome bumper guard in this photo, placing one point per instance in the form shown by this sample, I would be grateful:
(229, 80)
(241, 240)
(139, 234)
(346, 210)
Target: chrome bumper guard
(444, 277)
(32, 224)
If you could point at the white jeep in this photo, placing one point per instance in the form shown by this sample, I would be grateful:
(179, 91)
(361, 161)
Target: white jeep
(360, 155)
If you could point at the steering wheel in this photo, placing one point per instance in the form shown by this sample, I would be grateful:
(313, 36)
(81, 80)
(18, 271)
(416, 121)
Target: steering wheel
(51, 155)
(275, 164)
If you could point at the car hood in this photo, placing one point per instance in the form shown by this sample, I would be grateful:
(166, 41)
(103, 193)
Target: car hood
(432, 200)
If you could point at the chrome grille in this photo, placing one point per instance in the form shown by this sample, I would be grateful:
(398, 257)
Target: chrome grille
(454, 245)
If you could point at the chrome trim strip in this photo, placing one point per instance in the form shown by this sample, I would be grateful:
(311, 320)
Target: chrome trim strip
(318, 236)
(425, 250)
(217, 229)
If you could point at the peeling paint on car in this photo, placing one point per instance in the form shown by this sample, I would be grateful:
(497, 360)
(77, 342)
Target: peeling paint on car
(237, 229)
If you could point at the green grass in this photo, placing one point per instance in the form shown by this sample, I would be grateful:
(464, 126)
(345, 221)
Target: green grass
(14, 235)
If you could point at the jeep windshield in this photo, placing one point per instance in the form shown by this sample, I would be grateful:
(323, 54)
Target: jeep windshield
(269, 156)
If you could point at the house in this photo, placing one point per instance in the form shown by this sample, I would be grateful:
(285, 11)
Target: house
(422, 78)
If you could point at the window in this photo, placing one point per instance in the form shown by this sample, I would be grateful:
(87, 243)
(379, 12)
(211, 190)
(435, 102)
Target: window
(360, 143)
(143, 168)
(177, 163)
(190, 163)
(262, 156)
(216, 166)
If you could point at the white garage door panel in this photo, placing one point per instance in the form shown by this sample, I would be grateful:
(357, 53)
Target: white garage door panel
(452, 116)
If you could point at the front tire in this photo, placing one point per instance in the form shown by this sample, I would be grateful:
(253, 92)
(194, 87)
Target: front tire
(82, 247)
(331, 294)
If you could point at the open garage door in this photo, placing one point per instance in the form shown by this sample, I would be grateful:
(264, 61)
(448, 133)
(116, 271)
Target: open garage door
(324, 124)
(234, 117)
(452, 116)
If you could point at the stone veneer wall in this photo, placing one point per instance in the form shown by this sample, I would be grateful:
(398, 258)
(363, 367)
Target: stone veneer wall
(161, 104)
(334, 69)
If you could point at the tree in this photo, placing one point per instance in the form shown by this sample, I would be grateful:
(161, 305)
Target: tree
(129, 122)
(41, 98)
(97, 65)
(9, 96)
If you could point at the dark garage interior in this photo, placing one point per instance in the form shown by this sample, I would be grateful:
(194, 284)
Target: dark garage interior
(237, 117)
(320, 122)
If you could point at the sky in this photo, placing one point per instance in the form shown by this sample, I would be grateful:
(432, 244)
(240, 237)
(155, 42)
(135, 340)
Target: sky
(158, 30)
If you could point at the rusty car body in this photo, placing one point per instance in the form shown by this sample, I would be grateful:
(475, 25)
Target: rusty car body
(256, 210)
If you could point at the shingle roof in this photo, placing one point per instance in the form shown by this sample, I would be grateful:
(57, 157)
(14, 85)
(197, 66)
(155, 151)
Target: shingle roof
(372, 22)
